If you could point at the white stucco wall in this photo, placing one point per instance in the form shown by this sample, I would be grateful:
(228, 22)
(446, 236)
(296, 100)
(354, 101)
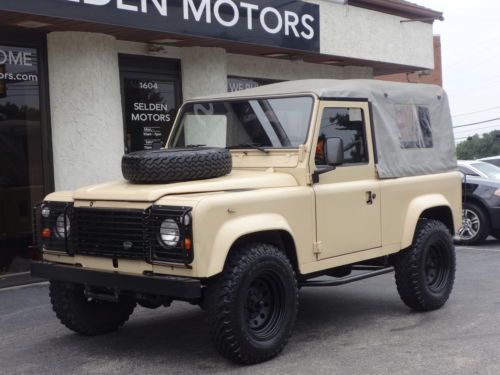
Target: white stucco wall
(279, 69)
(86, 110)
(204, 71)
(349, 31)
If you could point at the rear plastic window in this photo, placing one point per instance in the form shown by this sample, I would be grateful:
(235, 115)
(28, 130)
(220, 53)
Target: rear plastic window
(414, 124)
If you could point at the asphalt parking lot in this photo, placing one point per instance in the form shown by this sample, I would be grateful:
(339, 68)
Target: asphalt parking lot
(361, 328)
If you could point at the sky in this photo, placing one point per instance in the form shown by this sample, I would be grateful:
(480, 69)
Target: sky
(470, 38)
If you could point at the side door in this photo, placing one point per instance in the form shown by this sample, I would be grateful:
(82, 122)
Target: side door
(348, 197)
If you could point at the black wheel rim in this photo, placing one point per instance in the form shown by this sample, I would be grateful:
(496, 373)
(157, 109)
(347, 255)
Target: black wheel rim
(265, 306)
(437, 266)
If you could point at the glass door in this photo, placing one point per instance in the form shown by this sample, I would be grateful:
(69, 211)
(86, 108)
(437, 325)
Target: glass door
(21, 160)
(151, 98)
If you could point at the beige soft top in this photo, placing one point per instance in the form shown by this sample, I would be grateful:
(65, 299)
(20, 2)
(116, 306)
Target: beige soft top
(336, 88)
(412, 122)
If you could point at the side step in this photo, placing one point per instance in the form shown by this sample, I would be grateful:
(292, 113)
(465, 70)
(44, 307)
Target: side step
(348, 279)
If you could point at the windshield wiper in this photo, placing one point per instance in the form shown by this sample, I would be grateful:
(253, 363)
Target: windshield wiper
(248, 145)
(194, 146)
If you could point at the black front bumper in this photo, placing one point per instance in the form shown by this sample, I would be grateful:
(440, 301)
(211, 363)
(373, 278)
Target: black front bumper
(169, 286)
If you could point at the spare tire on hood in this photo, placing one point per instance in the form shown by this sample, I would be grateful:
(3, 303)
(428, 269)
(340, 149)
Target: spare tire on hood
(174, 165)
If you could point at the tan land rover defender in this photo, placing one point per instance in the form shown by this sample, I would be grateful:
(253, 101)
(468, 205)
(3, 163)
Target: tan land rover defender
(259, 193)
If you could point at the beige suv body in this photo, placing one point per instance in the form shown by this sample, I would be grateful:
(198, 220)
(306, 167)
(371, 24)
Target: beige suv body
(322, 217)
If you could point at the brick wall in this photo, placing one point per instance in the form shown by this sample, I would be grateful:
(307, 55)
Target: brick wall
(435, 77)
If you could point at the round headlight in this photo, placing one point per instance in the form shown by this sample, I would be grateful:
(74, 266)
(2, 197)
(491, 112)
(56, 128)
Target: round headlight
(46, 212)
(169, 233)
(61, 231)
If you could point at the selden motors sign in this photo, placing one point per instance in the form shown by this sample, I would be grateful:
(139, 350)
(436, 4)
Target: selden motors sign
(284, 23)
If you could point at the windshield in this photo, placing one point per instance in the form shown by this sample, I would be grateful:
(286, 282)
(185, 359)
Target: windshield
(269, 123)
(489, 170)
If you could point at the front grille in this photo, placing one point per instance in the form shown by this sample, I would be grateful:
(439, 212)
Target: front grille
(129, 234)
(110, 232)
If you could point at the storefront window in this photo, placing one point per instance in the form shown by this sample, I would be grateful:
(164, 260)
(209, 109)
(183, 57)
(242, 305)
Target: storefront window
(21, 166)
(242, 83)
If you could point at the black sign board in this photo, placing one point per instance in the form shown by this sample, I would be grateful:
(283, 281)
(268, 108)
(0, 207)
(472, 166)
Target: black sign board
(291, 24)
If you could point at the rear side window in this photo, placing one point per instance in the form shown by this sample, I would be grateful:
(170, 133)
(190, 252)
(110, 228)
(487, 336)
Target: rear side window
(414, 124)
(348, 124)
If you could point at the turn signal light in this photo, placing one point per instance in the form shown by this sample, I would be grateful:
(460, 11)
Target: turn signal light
(187, 244)
(46, 233)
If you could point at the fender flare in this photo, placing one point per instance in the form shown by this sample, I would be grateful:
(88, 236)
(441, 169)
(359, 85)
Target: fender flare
(234, 229)
(415, 209)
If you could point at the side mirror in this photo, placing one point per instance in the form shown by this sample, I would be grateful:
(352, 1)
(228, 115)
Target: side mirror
(334, 150)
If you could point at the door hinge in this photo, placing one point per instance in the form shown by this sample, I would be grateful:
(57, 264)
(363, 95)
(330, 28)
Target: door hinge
(317, 247)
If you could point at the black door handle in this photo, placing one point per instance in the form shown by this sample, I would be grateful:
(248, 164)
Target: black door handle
(370, 196)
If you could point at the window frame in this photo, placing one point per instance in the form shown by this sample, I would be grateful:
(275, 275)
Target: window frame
(178, 121)
(365, 140)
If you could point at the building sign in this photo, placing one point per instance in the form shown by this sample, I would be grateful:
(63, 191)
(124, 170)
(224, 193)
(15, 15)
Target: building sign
(289, 24)
(17, 66)
(241, 83)
(150, 108)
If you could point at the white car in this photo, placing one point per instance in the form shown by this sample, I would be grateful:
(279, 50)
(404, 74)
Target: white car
(478, 168)
(495, 160)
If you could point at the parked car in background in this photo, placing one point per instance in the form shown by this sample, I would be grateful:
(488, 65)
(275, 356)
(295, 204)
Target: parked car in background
(495, 160)
(481, 207)
(479, 168)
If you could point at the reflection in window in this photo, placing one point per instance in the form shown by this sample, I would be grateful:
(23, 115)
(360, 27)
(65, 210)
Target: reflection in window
(348, 124)
(270, 123)
(414, 124)
(21, 168)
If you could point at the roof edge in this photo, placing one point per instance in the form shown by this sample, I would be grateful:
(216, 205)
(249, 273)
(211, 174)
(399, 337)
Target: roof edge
(400, 8)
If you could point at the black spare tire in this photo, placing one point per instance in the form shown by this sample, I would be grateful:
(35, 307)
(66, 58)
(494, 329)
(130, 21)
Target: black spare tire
(174, 165)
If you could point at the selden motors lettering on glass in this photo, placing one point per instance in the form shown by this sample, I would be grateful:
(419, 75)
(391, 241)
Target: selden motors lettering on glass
(283, 23)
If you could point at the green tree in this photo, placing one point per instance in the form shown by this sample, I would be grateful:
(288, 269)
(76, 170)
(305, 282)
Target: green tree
(477, 147)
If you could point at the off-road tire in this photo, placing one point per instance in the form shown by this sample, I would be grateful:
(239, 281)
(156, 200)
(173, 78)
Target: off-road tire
(484, 225)
(88, 318)
(252, 306)
(175, 165)
(425, 273)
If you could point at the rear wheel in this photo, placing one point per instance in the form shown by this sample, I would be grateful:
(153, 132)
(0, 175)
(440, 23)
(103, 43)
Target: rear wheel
(425, 273)
(253, 304)
(87, 316)
(475, 225)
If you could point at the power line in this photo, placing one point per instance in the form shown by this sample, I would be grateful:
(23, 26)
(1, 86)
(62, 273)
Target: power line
(476, 123)
(488, 125)
(472, 113)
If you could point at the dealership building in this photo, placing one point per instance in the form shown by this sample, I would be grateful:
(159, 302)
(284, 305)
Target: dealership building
(84, 81)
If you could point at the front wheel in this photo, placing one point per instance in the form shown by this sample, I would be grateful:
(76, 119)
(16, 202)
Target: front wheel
(425, 273)
(87, 316)
(252, 305)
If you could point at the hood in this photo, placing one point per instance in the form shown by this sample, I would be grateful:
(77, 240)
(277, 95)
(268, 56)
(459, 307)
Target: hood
(236, 180)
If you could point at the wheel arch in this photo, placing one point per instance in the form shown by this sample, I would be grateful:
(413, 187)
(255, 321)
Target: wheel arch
(479, 202)
(280, 238)
(268, 228)
(434, 206)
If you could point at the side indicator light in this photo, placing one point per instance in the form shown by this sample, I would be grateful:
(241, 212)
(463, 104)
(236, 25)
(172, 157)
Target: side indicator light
(46, 233)
(187, 244)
